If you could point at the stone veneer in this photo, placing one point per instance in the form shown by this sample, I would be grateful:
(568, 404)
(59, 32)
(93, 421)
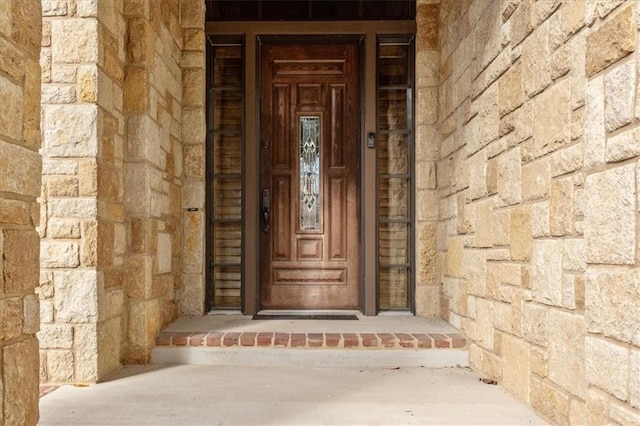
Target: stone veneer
(538, 172)
(118, 78)
(427, 292)
(20, 167)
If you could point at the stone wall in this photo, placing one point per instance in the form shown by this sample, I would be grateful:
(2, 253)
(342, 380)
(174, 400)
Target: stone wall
(163, 84)
(427, 296)
(537, 244)
(192, 289)
(118, 78)
(82, 229)
(20, 166)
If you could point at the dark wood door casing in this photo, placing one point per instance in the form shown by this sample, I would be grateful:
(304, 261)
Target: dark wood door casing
(310, 268)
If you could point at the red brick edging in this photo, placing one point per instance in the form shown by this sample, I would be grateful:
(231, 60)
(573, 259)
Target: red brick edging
(312, 340)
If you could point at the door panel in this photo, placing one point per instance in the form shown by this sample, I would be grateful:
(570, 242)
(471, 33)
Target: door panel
(310, 166)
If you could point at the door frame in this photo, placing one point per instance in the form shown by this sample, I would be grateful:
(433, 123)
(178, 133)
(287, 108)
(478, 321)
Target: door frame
(252, 33)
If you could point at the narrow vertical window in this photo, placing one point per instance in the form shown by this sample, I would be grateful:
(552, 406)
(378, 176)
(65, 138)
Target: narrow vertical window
(395, 172)
(225, 141)
(310, 207)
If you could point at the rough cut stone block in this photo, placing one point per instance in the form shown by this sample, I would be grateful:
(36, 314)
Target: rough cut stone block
(561, 207)
(59, 254)
(76, 207)
(55, 337)
(566, 351)
(454, 257)
(536, 179)
(610, 216)
(164, 253)
(11, 109)
(76, 296)
(634, 382)
(567, 160)
(21, 260)
(606, 366)
(612, 304)
(611, 42)
(594, 131)
(623, 415)
(192, 294)
(574, 256)
(193, 247)
(71, 130)
(535, 324)
(142, 142)
(20, 393)
(20, 170)
(74, 41)
(515, 367)
(60, 366)
(549, 402)
(619, 96)
(623, 146)
(535, 58)
(63, 228)
(10, 318)
(510, 177)
(510, 89)
(521, 233)
(546, 272)
(552, 121)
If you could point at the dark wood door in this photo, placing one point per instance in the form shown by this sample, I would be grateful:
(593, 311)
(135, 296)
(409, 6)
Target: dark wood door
(310, 166)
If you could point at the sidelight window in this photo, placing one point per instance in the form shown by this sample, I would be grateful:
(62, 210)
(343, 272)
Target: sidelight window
(395, 172)
(225, 141)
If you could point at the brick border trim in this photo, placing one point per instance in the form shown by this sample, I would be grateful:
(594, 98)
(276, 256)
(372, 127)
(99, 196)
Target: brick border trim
(218, 339)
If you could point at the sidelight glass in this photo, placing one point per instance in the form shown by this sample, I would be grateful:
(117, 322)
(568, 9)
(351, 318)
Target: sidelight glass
(395, 172)
(310, 208)
(225, 100)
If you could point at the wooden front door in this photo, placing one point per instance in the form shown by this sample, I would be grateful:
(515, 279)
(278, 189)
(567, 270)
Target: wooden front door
(310, 167)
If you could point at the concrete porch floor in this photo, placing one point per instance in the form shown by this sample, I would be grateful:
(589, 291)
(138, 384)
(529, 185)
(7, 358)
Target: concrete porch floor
(284, 395)
(386, 323)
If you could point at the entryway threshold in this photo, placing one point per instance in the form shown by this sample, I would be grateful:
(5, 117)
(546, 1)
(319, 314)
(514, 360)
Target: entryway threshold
(236, 338)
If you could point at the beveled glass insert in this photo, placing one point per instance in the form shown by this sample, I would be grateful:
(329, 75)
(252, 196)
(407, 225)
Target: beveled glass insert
(310, 207)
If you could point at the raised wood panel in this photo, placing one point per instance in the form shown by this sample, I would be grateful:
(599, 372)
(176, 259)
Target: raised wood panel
(324, 276)
(280, 145)
(337, 126)
(338, 207)
(336, 68)
(309, 94)
(309, 249)
(281, 220)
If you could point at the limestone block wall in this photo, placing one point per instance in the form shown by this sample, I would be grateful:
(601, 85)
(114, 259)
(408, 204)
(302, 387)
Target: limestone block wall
(20, 166)
(538, 172)
(83, 223)
(427, 75)
(192, 287)
(158, 85)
